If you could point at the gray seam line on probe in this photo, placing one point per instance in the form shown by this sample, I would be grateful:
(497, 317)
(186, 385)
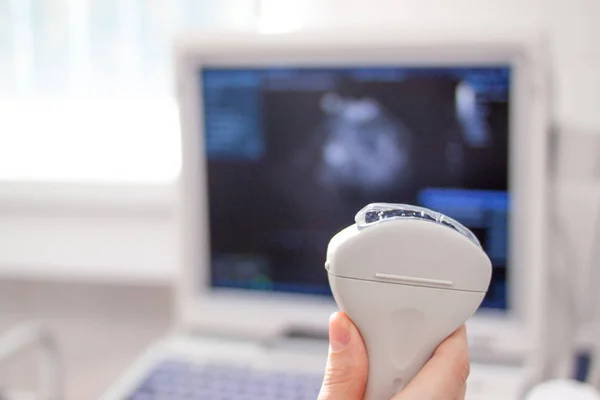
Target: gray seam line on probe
(406, 284)
(411, 279)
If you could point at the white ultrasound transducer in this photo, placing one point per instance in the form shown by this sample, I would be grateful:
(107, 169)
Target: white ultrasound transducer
(407, 277)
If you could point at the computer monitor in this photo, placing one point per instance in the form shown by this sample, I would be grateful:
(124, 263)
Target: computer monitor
(294, 152)
(286, 137)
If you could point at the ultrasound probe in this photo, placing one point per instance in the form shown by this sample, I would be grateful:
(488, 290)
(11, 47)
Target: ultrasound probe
(407, 277)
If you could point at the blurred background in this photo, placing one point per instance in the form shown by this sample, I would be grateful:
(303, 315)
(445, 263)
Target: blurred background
(89, 152)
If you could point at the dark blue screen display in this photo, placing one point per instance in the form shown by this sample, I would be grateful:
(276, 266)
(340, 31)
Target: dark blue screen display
(294, 153)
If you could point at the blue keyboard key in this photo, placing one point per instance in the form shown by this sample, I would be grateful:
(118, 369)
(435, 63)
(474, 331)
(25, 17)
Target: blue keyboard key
(141, 396)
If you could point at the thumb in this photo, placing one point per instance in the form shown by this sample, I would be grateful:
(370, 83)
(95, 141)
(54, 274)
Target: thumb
(347, 365)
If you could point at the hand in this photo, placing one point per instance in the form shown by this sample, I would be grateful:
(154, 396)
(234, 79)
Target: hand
(442, 378)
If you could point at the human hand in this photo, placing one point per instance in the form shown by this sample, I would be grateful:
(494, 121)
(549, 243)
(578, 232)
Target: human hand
(442, 378)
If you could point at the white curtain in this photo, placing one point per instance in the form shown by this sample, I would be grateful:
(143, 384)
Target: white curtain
(103, 47)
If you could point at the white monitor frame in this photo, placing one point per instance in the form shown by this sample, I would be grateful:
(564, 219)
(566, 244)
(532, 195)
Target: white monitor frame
(262, 314)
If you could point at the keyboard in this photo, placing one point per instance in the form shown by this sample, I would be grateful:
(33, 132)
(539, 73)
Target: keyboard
(179, 380)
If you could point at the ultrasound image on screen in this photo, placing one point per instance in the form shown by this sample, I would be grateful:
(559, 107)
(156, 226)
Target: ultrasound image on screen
(293, 154)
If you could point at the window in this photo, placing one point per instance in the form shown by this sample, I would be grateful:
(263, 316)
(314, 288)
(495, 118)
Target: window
(86, 85)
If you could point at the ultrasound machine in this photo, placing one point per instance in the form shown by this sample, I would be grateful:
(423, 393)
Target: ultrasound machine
(285, 138)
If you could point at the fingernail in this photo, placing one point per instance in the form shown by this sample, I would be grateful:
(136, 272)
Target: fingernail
(339, 332)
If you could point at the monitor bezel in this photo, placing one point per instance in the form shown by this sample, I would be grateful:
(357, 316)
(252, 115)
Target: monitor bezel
(264, 314)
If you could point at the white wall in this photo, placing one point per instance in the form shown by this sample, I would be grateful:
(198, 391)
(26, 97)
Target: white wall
(78, 236)
(100, 233)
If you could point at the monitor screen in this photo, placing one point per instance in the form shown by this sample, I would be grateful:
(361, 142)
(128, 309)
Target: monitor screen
(294, 153)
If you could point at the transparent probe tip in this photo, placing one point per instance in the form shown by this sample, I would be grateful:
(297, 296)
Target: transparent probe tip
(378, 212)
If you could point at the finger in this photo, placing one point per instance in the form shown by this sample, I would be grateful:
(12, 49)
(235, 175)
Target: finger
(445, 374)
(347, 364)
